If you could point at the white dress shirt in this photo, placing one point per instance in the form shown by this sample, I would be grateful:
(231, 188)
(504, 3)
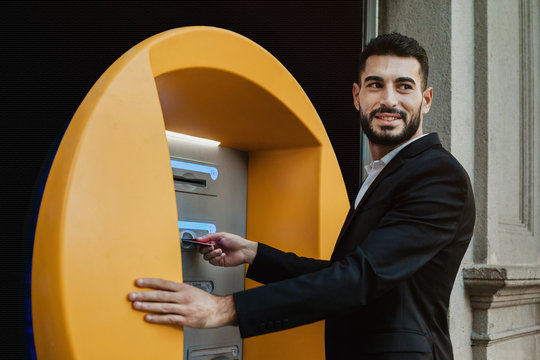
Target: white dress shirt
(376, 167)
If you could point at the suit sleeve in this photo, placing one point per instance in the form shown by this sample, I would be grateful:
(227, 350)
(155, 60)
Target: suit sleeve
(271, 265)
(422, 221)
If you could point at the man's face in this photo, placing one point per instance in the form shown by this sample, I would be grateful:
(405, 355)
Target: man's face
(390, 99)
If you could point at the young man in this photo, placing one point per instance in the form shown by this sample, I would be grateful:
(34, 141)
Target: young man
(384, 294)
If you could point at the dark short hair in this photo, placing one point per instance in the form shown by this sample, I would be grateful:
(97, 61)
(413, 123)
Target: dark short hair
(398, 45)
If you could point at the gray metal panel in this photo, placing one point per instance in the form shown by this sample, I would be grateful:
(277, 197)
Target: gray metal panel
(223, 203)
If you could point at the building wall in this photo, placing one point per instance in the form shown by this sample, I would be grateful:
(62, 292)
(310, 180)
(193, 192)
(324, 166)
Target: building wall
(484, 57)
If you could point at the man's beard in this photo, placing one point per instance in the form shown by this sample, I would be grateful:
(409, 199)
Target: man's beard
(385, 138)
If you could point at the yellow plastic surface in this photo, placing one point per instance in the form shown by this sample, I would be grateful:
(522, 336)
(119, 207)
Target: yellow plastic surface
(108, 213)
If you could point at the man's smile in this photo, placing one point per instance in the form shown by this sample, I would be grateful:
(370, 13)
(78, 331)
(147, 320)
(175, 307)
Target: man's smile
(387, 118)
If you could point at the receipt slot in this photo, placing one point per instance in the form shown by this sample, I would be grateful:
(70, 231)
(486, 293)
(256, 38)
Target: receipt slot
(210, 185)
(119, 197)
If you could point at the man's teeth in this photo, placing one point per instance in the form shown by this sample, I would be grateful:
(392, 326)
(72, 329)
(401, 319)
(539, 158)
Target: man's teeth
(388, 117)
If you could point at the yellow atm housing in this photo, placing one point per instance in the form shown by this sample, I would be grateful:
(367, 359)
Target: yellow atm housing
(108, 213)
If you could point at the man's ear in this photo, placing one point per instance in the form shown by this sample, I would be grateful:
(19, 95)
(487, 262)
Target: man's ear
(356, 94)
(427, 96)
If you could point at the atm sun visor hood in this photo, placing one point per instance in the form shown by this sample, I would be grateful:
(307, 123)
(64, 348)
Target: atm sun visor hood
(108, 212)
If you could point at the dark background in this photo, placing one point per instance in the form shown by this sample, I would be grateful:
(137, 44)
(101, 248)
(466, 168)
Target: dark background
(53, 52)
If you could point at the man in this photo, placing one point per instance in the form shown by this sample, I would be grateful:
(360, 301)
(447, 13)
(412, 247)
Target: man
(384, 294)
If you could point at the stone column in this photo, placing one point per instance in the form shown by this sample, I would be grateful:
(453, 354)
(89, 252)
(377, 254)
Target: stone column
(505, 289)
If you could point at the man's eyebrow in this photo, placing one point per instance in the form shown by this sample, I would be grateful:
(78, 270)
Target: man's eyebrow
(373, 78)
(404, 79)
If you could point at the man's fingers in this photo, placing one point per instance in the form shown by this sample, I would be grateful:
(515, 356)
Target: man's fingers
(212, 254)
(160, 308)
(217, 261)
(169, 319)
(205, 249)
(155, 296)
(158, 284)
(215, 237)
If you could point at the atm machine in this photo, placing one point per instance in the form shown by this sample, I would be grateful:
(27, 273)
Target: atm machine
(210, 186)
(121, 194)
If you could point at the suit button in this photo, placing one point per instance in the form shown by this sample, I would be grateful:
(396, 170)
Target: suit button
(270, 325)
(262, 326)
(278, 324)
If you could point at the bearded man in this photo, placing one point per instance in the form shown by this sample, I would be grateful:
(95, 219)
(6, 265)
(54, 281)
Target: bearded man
(385, 291)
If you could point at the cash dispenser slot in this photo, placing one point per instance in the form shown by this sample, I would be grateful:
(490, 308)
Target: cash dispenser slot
(192, 166)
(194, 177)
(189, 181)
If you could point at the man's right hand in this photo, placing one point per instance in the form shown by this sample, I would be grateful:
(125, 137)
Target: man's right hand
(229, 249)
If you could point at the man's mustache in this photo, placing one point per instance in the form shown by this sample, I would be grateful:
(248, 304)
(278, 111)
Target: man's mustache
(388, 111)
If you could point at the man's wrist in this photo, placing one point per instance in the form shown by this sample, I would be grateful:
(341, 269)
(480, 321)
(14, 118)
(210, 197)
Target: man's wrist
(227, 311)
(251, 251)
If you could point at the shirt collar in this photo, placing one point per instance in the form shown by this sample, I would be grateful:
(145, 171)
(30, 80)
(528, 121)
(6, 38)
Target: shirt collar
(379, 164)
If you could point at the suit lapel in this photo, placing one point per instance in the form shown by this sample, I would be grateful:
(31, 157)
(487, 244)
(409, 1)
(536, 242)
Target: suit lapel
(410, 150)
(394, 164)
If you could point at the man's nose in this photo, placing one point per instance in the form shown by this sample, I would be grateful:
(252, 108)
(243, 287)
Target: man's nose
(388, 98)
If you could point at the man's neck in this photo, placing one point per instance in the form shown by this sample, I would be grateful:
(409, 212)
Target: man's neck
(379, 151)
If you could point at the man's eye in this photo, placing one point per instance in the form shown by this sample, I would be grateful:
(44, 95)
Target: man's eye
(404, 87)
(374, 85)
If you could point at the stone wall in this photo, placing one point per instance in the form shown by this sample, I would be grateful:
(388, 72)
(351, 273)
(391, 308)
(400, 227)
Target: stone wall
(484, 68)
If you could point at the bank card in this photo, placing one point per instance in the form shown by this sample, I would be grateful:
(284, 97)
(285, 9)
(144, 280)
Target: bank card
(198, 242)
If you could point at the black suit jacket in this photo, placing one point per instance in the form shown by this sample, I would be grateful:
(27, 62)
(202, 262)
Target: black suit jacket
(388, 283)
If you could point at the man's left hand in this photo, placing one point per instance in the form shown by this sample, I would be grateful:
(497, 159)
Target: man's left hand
(177, 304)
